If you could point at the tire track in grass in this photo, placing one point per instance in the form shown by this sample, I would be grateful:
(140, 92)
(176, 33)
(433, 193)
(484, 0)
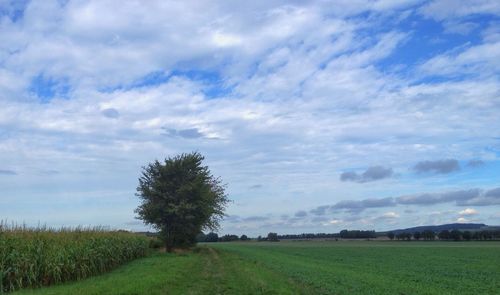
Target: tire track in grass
(232, 274)
(213, 272)
(204, 271)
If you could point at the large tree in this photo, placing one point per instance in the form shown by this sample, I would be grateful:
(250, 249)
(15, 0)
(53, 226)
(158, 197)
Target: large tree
(180, 198)
(391, 235)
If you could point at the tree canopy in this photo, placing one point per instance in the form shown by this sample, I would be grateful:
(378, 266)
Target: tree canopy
(180, 198)
(272, 237)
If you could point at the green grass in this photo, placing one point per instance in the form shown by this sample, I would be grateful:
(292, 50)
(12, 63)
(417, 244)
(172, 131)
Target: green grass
(382, 267)
(306, 268)
(206, 271)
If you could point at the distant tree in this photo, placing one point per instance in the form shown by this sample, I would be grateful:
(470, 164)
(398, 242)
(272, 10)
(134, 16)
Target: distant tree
(357, 234)
(428, 235)
(244, 238)
(201, 237)
(403, 236)
(417, 235)
(444, 235)
(487, 234)
(229, 238)
(390, 235)
(307, 236)
(467, 235)
(180, 198)
(476, 235)
(212, 237)
(272, 237)
(456, 235)
(259, 238)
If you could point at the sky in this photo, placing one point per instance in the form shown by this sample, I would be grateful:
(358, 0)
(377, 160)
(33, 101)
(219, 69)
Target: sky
(318, 115)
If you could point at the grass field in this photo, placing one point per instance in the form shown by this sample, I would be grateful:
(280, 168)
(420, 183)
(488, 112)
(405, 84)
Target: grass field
(306, 268)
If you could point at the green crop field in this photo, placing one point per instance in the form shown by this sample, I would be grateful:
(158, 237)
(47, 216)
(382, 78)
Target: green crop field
(344, 267)
(40, 257)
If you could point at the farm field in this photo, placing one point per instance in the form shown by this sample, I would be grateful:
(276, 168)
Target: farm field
(40, 257)
(344, 267)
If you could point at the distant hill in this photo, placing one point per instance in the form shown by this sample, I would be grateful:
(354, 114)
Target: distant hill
(439, 228)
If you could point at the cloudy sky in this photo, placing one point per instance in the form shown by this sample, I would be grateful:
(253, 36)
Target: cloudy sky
(319, 115)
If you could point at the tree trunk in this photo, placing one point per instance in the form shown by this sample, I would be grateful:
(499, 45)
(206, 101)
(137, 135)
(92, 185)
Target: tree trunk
(169, 242)
(168, 247)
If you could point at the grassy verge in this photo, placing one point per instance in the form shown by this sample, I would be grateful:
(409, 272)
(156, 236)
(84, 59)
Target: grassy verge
(205, 271)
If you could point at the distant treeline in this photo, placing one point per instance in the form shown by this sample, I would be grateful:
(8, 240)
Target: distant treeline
(446, 235)
(427, 235)
(344, 234)
(357, 234)
(307, 236)
(213, 237)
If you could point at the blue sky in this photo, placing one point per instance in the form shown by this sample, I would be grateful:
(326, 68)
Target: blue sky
(319, 115)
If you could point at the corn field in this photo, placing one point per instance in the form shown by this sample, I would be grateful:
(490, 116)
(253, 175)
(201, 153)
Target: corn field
(35, 257)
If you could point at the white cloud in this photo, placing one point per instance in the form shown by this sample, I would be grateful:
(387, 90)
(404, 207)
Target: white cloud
(468, 212)
(390, 215)
(463, 28)
(492, 33)
(449, 9)
(300, 95)
(481, 60)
